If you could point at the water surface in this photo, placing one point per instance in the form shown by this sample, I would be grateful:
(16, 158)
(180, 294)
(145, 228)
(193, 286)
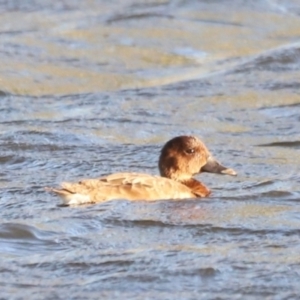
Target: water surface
(94, 87)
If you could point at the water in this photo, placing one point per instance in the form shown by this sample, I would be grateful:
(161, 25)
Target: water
(90, 88)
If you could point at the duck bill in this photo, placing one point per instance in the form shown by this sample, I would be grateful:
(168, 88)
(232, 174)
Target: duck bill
(213, 166)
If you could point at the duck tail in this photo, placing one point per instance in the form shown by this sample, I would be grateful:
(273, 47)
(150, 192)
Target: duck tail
(69, 197)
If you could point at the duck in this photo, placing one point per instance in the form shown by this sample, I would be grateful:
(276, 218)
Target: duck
(180, 159)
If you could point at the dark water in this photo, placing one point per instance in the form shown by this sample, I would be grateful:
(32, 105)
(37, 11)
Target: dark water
(93, 87)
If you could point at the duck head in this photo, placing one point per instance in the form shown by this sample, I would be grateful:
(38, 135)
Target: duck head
(184, 156)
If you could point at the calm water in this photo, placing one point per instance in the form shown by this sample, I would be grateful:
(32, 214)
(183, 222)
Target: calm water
(94, 87)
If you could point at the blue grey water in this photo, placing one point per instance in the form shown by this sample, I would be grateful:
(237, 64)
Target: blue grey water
(94, 87)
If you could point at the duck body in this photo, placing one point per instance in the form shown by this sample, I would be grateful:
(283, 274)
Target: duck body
(180, 159)
(130, 186)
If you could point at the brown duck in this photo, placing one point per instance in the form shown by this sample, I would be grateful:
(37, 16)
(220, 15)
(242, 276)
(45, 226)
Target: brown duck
(180, 159)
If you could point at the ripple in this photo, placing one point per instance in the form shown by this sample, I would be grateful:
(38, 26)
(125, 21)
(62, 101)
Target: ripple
(278, 60)
(20, 239)
(288, 144)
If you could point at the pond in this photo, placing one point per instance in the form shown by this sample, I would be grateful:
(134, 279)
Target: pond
(90, 88)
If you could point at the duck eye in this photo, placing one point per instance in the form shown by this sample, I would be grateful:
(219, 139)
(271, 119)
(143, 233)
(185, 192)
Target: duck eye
(190, 151)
